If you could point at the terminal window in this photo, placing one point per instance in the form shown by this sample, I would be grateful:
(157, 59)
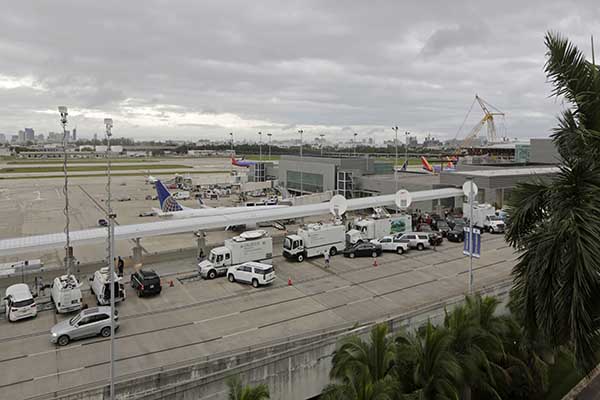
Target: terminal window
(310, 182)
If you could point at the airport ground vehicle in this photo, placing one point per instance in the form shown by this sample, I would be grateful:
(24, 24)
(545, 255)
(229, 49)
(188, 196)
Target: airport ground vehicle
(484, 217)
(19, 302)
(313, 240)
(146, 282)
(251, 272)
(363, 249)
(248, 246)
(416, 240)
(391, 243)
(66, 294)
(89, 322)
(365, 229)
(102, 222)
(100, 285)
(147, 214)
(181, 195)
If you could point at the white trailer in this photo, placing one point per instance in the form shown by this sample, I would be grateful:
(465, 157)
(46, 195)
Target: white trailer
(484, 217)
(249, 246)
(314, 240)
(365, 229)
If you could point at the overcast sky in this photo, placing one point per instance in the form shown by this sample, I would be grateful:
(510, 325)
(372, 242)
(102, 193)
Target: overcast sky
(202, 69)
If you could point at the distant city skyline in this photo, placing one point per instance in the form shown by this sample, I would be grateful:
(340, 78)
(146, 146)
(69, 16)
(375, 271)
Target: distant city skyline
(195, 70)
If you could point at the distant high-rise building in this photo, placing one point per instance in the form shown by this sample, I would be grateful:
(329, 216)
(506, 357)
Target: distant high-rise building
(74, 134)
(39, 138)
(29, 134)
(14, 138)
(2, 138)
(95, 138)
(21, 137)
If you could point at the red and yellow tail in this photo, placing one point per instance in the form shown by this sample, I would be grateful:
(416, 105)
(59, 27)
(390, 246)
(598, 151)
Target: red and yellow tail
(426, 165)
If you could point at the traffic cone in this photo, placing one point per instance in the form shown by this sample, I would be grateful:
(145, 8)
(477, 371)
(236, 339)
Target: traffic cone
(289, 281)
(375, 262)
(171, 284)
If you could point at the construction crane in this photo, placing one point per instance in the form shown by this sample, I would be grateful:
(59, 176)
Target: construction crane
(489, 112)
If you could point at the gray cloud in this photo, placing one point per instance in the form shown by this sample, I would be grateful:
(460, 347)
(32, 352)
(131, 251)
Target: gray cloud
(179, 69)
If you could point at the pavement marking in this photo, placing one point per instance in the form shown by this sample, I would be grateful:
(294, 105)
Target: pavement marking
(360, 301)
(58, 373)
(240, 332)
(54, 350)
(216, 318)
(337, 288)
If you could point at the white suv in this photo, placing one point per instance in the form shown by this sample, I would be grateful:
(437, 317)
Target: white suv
(415, 240)
(391, 243)
(251, 272)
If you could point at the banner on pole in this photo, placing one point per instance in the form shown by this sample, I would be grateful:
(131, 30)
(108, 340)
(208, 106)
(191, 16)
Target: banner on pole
(472, 242)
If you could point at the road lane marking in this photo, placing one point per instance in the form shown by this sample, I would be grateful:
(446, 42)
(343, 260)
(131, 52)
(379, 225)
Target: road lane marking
(216, 318)
(240, 332)
(58, 373)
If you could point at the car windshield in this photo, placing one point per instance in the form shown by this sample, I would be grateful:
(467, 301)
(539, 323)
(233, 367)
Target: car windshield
(75, 319)
(23, 303)
(212, 257)
(287, 243)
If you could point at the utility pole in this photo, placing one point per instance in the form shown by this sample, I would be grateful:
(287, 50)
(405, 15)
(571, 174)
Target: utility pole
(68, 253)
(260, 146)
(108, 122)
(471, 235)
(406, 149)
(322, 135)
(269, 135)
(301, 131)
(354, 142)
(395, 129)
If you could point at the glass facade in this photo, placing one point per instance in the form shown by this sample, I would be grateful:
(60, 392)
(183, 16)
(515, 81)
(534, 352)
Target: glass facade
(312, 183)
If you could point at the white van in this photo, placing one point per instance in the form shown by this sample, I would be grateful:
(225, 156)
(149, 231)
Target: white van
(66, 294)
(100, 285)
(19, 302)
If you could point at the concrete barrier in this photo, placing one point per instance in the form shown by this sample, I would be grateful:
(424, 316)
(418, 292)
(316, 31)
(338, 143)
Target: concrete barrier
(294, 368)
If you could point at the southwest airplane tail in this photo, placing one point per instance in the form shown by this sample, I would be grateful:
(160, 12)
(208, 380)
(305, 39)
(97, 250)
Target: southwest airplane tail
(167, 202)
(426, 166)
(241, 163)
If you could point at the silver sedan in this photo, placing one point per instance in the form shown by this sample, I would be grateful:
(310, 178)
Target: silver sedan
(90, 322)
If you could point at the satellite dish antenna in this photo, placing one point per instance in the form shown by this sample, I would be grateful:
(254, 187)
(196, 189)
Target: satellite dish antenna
(467, 188)
(338, 205)
(403, 199)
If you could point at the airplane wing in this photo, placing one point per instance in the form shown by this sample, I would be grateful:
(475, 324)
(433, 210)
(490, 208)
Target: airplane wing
(36, 243)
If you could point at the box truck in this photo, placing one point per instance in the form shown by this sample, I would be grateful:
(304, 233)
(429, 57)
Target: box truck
(249, 246)
(313, 240)
(365, 229)
(484, 217)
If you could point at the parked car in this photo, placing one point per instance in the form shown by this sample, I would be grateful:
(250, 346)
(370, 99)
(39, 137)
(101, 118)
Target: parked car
(90, 322)
(19, 302)
(442, 227)
(146, 282)
(148, 214)
(435, 238)
(391, 243)
(252, 272)
(363, 249)
(102, 222)
(457, 234)
(415, 240)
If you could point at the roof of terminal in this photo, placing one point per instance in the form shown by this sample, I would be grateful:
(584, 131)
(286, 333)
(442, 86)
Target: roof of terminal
(509, 172)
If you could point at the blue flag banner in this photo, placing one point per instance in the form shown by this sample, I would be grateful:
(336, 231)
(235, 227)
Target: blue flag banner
(472, 242)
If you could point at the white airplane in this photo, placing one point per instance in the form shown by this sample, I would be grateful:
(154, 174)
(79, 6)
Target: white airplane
(170, 208)
(151, 180)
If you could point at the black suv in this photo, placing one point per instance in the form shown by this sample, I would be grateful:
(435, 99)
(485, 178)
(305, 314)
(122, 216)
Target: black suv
(145, 283)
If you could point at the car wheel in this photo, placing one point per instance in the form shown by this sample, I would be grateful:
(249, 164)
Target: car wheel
(300, 257)
(374, 254)
(231, 278)
(212, 274)
(351, 255)
(105, 332)
(332, 251)
(420, 246)
(63, 340)
(400, 250)
(254, 283)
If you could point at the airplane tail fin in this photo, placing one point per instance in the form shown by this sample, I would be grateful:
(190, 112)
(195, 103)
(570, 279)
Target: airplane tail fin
(404, 166)
(426, 165)
(167, 202)
(201, 202)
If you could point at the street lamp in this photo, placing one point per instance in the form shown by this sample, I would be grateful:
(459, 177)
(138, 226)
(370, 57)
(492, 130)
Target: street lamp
(395, 129)
(269, 135)
(406, 148)
(260, 145)
(63, 120)
(232, 153)
(322, 135)
(301, 131)
(354, 142)
(108, 123)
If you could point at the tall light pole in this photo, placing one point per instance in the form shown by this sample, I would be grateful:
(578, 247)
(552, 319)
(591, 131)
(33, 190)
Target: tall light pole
(471, 236)
(232, 154)
(395, 129)
(301, 131)
(260, 146)
(354, 142)
(407, 134)
(269, 135)
(63, 120)
(108, 123)
(322, 135)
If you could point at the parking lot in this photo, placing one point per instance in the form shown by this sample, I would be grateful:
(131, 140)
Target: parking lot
(196, 318)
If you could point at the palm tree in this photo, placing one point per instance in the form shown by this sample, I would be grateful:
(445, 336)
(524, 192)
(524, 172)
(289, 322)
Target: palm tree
(239, 392)
(556, 224)
(356, 384)
(427, 368)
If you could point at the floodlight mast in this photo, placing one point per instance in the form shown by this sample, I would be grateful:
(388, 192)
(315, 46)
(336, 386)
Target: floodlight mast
(68, 254)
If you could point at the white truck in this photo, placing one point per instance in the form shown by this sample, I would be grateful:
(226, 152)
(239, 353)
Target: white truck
(365, 229)
(484, 217)
(249, 246)
(313, 240)
(66, 294)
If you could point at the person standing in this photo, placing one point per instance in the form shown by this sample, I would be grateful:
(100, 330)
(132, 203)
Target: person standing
(120, 266)
(327, 257)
